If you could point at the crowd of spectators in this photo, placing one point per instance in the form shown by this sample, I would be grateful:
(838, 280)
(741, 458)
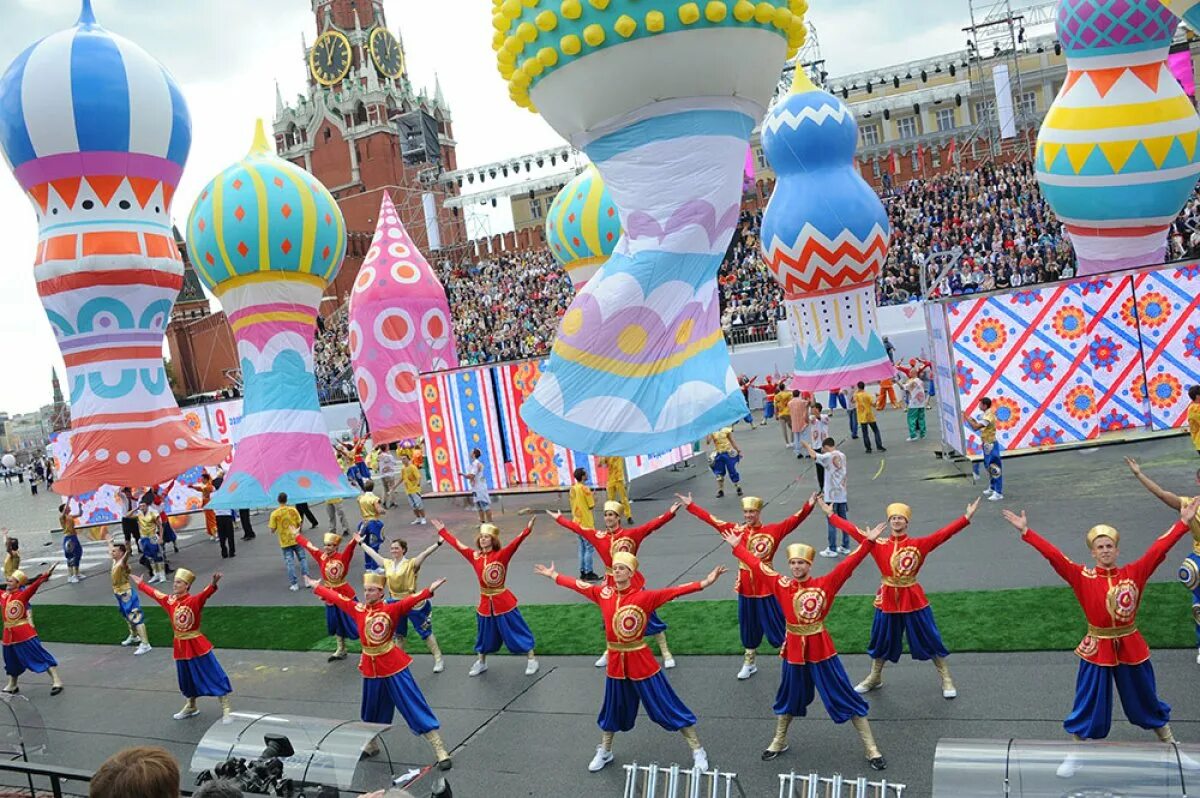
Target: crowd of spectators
(331, 355)
(508, 307)
(751, 300)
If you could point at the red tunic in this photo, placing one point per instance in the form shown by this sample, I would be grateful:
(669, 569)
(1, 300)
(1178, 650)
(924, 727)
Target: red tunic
(185, 611)
(491, 568)
(625, 616)
(900, 559)
(806, 604)
(381, 657)
(626, 539)
(333, 569)
(1110, 598)
(761, 540)
(17, 625)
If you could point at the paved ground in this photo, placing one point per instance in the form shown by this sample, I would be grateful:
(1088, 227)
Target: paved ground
(517, 736)
(1065, 493)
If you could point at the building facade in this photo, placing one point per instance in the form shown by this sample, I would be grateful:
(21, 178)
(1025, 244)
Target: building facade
(344, 131)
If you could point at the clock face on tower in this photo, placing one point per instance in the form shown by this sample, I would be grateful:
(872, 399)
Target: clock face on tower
(329, 58)
(385, 52)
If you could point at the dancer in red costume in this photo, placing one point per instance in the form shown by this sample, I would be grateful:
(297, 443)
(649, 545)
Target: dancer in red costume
(388, 684)
(633, 674)
(810, 662)
(901, 608)
(758, 612)
(196, 666)
(1113, 649)
(335, 567)
(23, 650)
(615, 538)
(497, 617)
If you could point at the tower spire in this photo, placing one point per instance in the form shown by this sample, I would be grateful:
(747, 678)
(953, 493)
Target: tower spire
(278, 101)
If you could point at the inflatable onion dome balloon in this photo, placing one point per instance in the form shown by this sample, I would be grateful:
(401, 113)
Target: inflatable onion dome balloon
(266, 238)
(97, 133)
(399, 327)
(582, 226)
(1116, 155)
(825, 238)
(639, 363)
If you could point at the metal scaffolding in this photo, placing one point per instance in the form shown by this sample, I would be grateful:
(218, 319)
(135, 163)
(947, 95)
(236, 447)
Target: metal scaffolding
(997, 36)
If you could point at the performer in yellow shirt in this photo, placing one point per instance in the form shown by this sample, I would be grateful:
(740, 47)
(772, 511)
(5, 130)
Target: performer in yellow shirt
(402, 572)
(864, 405)
(724, 458)
(1193, 416)
(371, 508)
(127, 599)
(616, 487)
(986, 427)
(12, 555)
(410, 477)
(284, 523)
(782, 397)
(582, 504)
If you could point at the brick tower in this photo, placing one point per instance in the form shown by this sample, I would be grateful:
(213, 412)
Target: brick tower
(344, 131)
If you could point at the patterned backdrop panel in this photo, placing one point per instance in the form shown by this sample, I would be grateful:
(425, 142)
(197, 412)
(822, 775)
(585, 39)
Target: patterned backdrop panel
(1170, 344)
(1067, 362)
(481, 408)
(1114, 353)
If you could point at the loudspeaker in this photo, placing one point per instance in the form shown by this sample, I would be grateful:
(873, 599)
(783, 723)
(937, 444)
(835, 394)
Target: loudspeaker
(419, 138)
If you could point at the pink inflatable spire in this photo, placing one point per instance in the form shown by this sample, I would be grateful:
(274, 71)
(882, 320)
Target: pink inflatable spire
(399, 327)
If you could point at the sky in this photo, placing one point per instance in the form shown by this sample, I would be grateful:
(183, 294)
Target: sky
(227, 55)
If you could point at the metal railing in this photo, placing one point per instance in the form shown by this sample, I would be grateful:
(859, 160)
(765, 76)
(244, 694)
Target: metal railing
(814, 785)
(745, 334)
(58, 779)
(673, 781)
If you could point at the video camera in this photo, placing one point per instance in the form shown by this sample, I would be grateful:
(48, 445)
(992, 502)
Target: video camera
(264, 776)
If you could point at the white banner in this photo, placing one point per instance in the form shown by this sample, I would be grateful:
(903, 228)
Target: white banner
(945, 383)
(431, 222)
(1004, 101)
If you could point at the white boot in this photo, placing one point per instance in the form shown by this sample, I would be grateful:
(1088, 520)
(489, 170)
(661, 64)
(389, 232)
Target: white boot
(748, 670)
(531, 667)
(603, 661)
(600, 760)
(1068, 768)
(129, 641)
(700, 759)
(479, 667)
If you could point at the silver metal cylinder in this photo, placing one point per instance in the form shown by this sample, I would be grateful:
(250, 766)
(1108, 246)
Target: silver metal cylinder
(1064, 769)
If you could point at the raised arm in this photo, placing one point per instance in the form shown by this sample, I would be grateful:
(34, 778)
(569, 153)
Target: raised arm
(405, 605)
(789, 524)
(740, 551)
(657, 523)
(951, 529)
(703, 515)
(1062, 565)
(376, 556)
(841, 523)
(445, 535)
(661, 597)
(159, 598)
(317, 554)
(331, 596)
(512, 547)
(204, 595)
(585, 589)
(587, 534)
(419, 560)
(1165, 496)
(842, 571)
(1145, 565)
(27, 592)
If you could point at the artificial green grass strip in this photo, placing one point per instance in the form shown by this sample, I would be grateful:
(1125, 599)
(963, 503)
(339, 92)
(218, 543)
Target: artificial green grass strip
(1026, 619)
